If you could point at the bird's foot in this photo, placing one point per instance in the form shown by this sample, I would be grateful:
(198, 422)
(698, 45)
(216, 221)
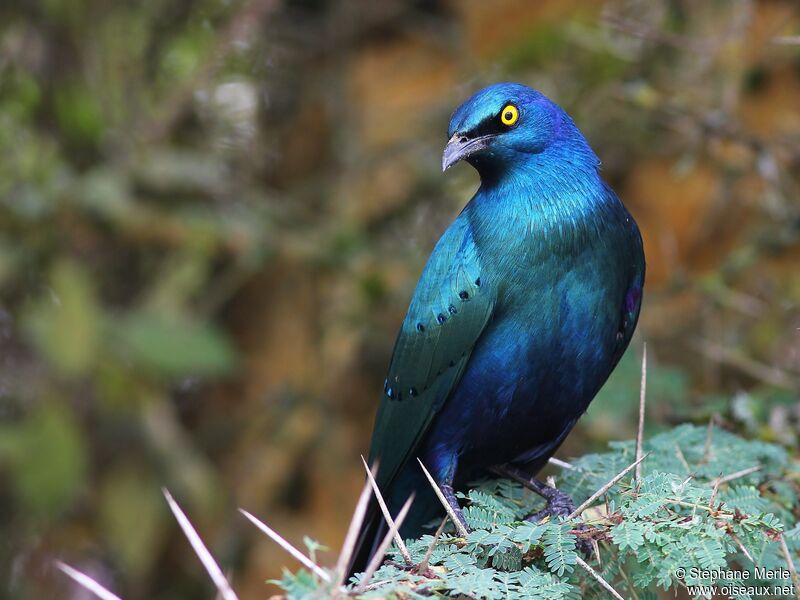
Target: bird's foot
(559, 504)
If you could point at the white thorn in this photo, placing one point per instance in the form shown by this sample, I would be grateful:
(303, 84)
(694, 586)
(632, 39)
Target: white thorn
(276, 537)
(385, 510)
(351, 537)
(462, 531)
(86, 582)
(377, 558)
(200, 549)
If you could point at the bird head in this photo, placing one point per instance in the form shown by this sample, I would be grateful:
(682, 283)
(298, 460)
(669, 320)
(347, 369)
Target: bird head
(505, 124)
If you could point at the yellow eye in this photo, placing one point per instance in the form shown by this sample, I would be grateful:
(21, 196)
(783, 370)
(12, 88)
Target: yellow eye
(509, 115)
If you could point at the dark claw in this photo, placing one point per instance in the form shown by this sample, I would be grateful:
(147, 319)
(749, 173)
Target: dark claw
(559, 504)
(583, 545)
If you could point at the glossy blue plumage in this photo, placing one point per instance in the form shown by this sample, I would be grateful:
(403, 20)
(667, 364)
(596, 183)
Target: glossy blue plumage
(526, 305)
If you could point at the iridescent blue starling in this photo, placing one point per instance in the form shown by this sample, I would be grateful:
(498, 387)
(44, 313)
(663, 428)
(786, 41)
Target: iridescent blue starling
(523, 310)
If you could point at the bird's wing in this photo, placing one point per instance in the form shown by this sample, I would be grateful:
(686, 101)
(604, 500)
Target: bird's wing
(449, 311)
(632, 303)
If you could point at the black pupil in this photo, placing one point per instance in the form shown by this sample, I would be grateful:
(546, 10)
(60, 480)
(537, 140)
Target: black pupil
(509, 115)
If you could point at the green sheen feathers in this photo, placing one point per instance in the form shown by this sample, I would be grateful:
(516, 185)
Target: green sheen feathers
(449, 311)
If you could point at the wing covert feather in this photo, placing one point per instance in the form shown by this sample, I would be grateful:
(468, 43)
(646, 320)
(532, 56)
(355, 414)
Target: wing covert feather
(449, 311)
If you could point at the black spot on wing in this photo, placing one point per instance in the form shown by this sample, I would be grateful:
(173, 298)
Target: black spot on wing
(441, 342)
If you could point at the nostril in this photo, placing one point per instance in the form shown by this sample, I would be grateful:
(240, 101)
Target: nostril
(463, 139)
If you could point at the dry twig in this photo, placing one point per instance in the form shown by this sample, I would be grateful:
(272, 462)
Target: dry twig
(605, 488)
(739, 543)
(727, 478)
(790, 564)
(758, 370)
(640, 431)
(709, 436)
(585, 566)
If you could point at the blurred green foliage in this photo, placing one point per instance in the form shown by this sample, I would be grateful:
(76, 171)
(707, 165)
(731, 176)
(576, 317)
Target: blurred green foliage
(48, 459)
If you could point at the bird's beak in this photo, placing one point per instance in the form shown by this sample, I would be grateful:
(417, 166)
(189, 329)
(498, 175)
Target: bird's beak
(460, 147)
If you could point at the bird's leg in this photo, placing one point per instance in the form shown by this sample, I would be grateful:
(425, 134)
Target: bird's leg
(558, 502)
(444, 465)
(450, 496)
